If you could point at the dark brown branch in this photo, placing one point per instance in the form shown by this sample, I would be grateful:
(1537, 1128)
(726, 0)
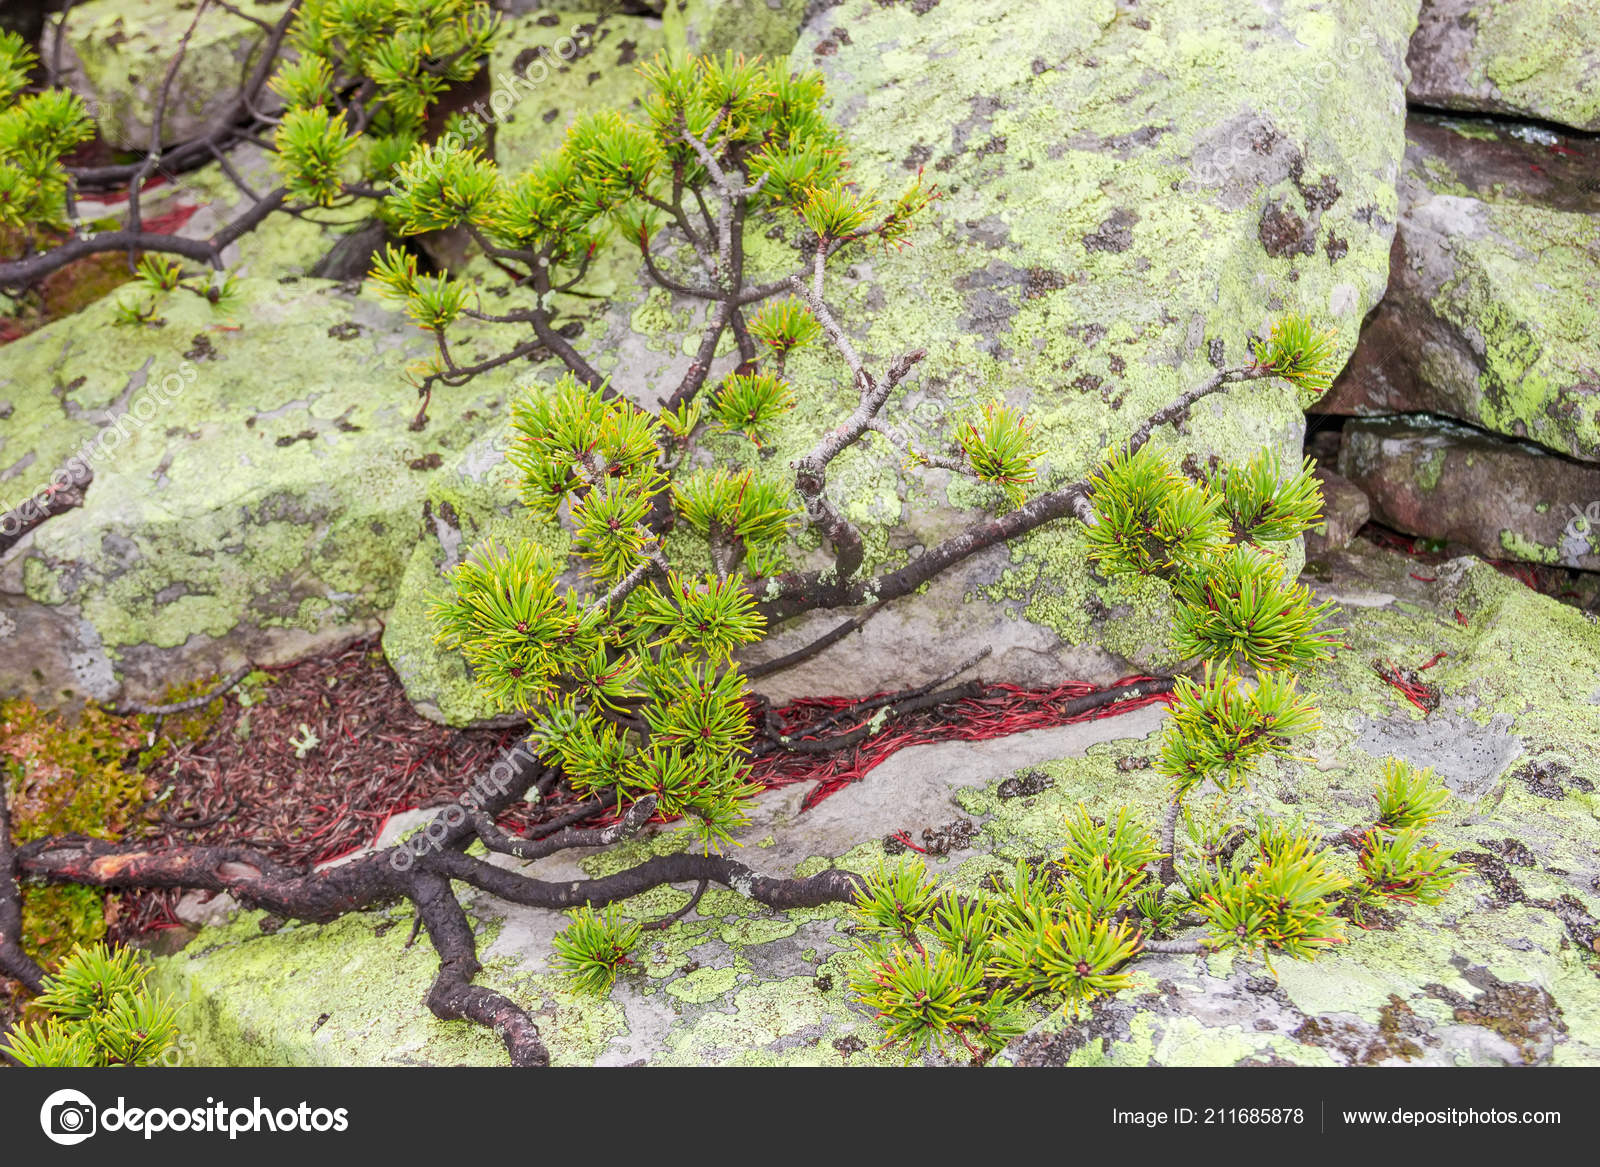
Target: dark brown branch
(582, 812)
(530, 849)
(675, 286)
(1169, 842)
(668, 921)
(453, 996)
(1178, 409)
(800, 592)
(556, 343)
(866, 729)
(828, 887)
(23, 272)
(257, 881)
(748, 352)
(152, 158)
(700, 367)
(14, 962)
(827, 640)
(52, 75)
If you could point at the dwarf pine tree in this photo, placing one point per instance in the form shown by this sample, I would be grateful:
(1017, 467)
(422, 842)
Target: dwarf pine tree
(349, 85)
(630, 680)
(98, 1013)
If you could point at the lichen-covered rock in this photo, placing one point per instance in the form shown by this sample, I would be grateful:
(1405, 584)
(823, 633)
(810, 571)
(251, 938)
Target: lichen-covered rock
(198, 203)
(257, 488)
(1503, 499)
(1539, 58)
(1503, 970)
(767, 28)
(1124, 203)
(1494, 292)
(116, 54)
(550, 67)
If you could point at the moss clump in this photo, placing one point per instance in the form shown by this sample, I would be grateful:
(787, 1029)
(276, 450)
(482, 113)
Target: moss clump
(67, 776)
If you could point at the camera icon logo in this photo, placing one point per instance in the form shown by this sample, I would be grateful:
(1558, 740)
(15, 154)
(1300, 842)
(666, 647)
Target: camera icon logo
(68, 1117)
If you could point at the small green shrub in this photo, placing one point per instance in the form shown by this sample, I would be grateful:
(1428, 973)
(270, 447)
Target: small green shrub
(99, 1014)
(592, 949)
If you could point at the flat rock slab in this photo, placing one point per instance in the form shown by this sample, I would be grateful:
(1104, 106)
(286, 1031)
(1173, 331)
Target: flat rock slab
(1503, 971)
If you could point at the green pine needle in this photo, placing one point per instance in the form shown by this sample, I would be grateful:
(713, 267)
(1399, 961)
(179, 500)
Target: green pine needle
(593, 948)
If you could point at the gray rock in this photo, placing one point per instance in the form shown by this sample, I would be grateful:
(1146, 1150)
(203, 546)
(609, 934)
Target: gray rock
(1345, 510)
(1494, 288)
(116, 53)
(257, 487)
(1537, 58)
(1503, 499)
(1099, 188)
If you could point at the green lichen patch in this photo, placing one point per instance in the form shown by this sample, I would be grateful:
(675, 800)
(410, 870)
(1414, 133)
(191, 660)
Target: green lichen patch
(1531, 58)
(256, 490)
(291, 996)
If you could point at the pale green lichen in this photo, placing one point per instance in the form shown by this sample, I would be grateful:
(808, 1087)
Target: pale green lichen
(1541, 59)
(1518, 546)
(261, 483)
(1428, 467)
(1524, 289)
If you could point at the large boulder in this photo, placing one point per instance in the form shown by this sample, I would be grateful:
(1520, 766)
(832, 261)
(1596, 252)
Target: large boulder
(1500, 972)
(1494, 292)
(1124, 204)
(1503, 499)
(173, 570)
(257, 486)
(1537, 58)
(116, 54)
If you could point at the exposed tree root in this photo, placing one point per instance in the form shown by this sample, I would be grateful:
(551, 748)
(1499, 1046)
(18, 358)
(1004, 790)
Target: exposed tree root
(398, 872)
(14, 962)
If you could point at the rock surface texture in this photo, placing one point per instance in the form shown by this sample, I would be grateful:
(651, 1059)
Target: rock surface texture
(1536, 58)
(1503, 971)
(116, 53)
(1505, 500)
(1494, 289)
(257, 489)
(1129, 193)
